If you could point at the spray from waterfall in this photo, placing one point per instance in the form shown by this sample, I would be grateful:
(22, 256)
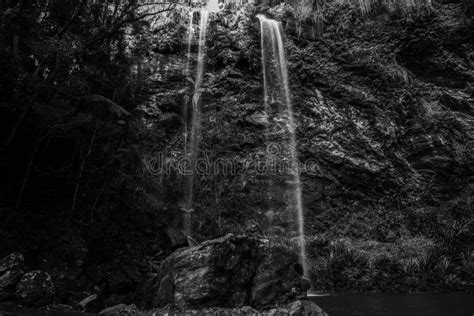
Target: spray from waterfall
(279, 107)
(192, 146)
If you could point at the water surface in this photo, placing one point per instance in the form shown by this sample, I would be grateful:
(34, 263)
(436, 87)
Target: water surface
(398, 305)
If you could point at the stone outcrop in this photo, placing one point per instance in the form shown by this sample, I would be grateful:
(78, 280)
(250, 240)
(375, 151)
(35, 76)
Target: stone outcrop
(11, 270)
(36, 288)
(232, 271)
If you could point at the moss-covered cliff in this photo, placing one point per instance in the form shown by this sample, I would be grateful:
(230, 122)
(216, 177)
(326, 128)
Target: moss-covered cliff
(384, 107)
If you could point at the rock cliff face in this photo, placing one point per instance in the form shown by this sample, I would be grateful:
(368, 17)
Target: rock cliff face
(384, 108)
(232, 271)
(385, 132)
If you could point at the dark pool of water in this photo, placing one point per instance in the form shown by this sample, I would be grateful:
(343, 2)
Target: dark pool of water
(398, 305)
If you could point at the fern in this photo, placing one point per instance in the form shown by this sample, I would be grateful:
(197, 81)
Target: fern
(467, 264)
(367, 6)
(310, 12)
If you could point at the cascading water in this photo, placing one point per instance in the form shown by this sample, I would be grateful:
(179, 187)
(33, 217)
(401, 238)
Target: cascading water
(280, 113)
(187, 74)
(192, 146)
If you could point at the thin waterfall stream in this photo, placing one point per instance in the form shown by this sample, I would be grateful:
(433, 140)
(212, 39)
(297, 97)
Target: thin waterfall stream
(192, 144)
(187, 75)
(280, 112)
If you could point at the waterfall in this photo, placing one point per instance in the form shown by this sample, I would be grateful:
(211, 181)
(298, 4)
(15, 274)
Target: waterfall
(192, 145)
(187, 74)
(279, 110)
(213, 6)
(202, 49)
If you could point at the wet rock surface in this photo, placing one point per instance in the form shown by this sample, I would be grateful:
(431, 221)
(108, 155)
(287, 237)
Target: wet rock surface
(35, 288)
(11, 270)
(383, 106)
(227, 272)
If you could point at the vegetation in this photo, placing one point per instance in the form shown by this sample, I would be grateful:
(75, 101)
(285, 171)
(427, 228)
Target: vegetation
(72, 74)
(92, 91)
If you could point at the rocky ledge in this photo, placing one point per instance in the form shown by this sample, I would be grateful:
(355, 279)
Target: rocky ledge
(34, 288)
(231, 272)
(232, 275)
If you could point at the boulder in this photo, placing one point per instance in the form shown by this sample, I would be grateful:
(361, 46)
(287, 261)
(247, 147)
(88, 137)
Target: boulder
(232, 271)
(268, 289)
(305, 308)
(35, 288)
(11, 270)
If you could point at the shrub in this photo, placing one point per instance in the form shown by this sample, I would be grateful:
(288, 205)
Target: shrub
(355, 265)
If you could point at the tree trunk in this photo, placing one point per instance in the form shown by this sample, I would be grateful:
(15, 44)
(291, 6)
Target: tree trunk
(28, 170)
(81, 171)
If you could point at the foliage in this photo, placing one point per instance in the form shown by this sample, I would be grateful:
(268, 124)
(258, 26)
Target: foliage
(68, 88)
(235, 41)
(410, 264)
(311, 17)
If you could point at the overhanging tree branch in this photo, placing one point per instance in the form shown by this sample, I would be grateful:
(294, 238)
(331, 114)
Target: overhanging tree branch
(78, 10)
(130, 11)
